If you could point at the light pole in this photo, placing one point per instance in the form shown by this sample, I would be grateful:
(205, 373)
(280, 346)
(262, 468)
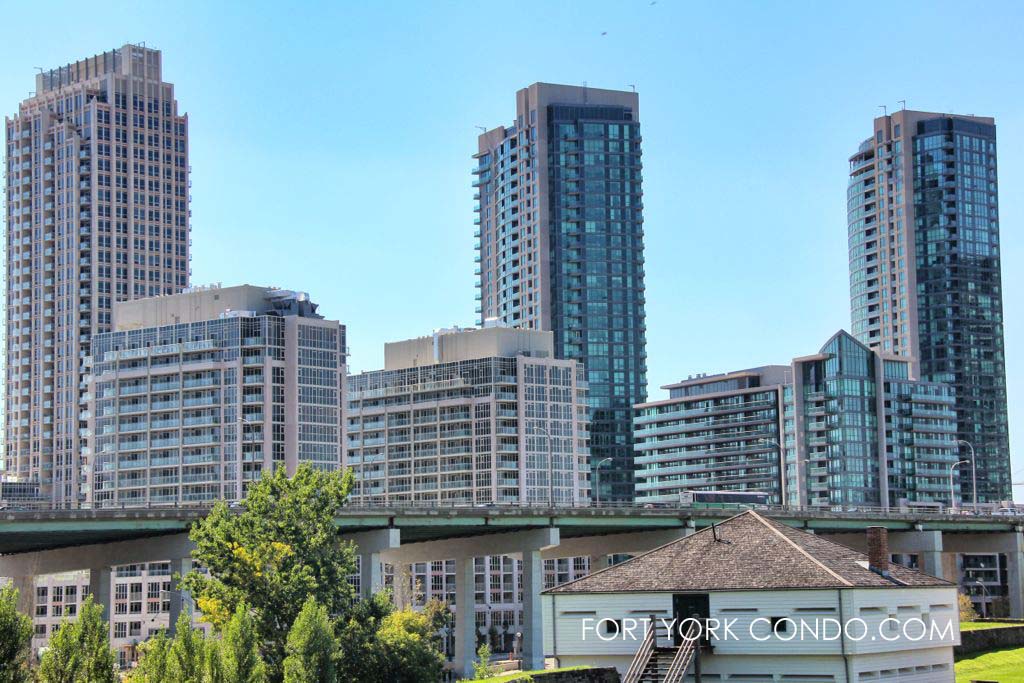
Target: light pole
(597, 476)
(984, 603)
(952, 491)
(551, 468)
(974, 474)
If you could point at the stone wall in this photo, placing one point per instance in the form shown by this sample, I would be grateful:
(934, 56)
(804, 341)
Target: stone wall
(598, 675)
(990, 639)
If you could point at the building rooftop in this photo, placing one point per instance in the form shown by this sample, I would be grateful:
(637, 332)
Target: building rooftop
(457, 344)
(746, 552)
(198, 304)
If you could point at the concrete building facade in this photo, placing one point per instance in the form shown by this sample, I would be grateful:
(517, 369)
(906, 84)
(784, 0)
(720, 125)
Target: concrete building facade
(97, 212)
(466, 417)
(844, 426)
(470, 416)
(925, 269)
(195, 395)
(560, 247)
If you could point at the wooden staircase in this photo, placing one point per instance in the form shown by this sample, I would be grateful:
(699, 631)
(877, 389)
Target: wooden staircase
(654, 664)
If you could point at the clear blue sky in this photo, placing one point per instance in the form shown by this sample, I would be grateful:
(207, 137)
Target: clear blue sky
(331, 146)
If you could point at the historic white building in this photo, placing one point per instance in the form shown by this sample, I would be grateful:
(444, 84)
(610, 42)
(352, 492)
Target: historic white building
(773, 603)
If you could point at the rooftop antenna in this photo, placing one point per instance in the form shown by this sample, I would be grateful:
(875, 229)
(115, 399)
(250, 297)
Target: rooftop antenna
(482, 128)
(633, 85)
(714, 532)
(903, 103)
(885, 110)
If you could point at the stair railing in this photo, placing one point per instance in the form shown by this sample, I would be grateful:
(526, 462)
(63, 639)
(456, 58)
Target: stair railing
(684, 654)
(643, 655)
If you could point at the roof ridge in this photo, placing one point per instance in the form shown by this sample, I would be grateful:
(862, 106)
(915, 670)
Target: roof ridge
(800, 550)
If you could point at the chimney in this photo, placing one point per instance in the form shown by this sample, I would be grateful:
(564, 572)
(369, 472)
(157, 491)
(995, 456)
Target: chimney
(878, 550)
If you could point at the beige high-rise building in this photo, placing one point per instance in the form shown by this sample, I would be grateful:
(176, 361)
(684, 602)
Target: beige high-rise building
(97, 212)
(195, 395)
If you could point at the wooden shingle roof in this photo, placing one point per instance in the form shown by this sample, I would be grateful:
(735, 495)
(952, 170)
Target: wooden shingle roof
(750, 552)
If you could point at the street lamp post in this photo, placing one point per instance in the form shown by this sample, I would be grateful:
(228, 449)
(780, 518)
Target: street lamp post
(974, 474)
(952, 491)
(984, 603)
(597, 476)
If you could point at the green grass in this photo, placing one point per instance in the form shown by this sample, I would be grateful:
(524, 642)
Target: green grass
(523, 675)
(1005, 666)
(982, 625)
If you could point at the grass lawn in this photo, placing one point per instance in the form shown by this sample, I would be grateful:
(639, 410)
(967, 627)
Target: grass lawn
(980, 625)
(522, 675)
(1005, 666)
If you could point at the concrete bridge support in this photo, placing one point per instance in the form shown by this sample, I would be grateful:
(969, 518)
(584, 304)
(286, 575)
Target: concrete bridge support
(98, 559)
(529, 545)
(371, 545)
(1011, 544)
(601, 548)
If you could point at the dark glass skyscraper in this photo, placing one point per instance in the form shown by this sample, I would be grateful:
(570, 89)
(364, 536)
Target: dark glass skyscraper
(560, 248)
(923, 217)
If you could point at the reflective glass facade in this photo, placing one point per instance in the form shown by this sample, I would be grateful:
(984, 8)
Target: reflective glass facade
(561, 248)
(925, 269)
(846, 426)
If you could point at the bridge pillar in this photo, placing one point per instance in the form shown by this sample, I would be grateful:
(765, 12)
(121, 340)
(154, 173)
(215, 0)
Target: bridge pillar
(26, 587)
(371, 545)
(465, 616)
(1015, 575)
(99, 589)
(533, 621)
(180, 599)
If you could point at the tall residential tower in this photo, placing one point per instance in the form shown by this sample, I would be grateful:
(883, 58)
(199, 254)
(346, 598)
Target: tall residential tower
(923, 216)
(97, 212)
(560, 248)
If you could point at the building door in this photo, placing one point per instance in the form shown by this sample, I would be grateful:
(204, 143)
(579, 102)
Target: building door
(689, 606)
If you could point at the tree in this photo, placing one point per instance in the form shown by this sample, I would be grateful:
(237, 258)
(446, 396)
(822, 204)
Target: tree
(239, 649)
(80, 650)
(154, 661)
(482, 668)
(282, 548)
(15, 639)
(309, 651)
(409, 648)
(187, 655)
(358, 656)
(967, 612)
(377, 644)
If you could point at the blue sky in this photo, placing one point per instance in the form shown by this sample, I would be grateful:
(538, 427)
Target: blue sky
(331, 147)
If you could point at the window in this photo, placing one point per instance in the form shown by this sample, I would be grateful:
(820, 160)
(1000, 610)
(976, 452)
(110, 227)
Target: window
(612, 627)
(780, 624)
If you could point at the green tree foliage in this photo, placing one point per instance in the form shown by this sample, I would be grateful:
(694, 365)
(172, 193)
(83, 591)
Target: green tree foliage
(213, 665)
(358, 657)
(80, 650)
(482, 667)
(967, 611)
(239, 649)
(309, 652)
(409, 649)
(15, 639)
(154, 661)
(380, 645)
(187, 656)
(282, 548)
